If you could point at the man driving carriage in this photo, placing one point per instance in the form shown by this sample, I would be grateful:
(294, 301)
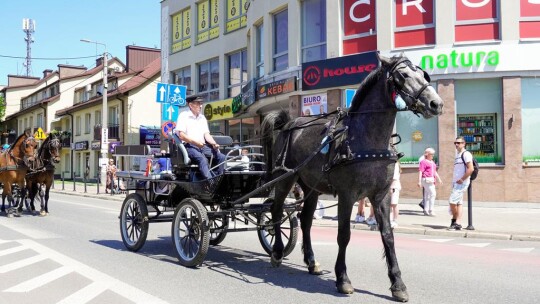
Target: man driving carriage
(192, 128)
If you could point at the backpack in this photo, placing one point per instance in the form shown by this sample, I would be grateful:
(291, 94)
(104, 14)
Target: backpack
(476, 167)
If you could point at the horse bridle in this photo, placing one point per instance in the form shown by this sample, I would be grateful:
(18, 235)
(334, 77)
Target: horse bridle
(25, 159)
(412, 96)
(53, 144)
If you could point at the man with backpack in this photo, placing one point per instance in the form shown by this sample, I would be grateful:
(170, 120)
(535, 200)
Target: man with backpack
(463, 168)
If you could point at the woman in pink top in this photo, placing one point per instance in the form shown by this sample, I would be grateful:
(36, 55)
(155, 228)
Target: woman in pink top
(426, 179)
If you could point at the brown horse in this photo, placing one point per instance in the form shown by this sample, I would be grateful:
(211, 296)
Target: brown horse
(14, 163)
(48, 155)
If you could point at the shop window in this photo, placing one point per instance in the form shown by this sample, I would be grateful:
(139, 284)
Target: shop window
(530, 111)
(209, 80)
(479, 112)
(242, 130)
(417, 134)
(237, 72)
(313, 30)
(281, 41)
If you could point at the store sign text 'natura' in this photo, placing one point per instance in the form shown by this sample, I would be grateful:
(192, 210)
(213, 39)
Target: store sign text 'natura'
(460, 59)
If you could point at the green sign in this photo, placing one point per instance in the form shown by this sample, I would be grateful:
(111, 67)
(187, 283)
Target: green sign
(457, 60)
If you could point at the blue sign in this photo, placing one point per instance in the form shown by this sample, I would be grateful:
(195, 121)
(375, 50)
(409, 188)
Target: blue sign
(177, 95)
(171, 93)
(349, 94)
(161, 95)
(169, 112)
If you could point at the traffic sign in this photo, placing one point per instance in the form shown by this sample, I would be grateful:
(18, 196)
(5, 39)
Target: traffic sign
(171, 93)
(169, 112)
(167, 127)
(177, 95)
(39, 134)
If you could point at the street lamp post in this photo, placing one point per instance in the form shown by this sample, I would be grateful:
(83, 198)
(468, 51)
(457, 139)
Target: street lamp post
(104, 129)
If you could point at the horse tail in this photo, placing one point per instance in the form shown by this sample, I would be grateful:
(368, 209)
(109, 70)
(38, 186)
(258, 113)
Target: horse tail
(274, 121)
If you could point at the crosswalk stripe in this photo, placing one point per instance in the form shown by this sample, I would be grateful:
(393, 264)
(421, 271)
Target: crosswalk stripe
(523, 250)
(85, 294)
(437, 240)
(4, 241)
(40, 280)
(478, 245)
(22, 263)
(11, 250)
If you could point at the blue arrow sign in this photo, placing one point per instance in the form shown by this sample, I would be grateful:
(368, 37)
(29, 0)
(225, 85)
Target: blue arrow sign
(177, 95)
(162, 91)
(169, 112)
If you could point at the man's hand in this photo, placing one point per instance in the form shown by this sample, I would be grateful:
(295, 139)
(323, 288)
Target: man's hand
(215, 146)
(198, 144)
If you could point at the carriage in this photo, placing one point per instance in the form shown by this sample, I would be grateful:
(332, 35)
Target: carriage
(202, 212)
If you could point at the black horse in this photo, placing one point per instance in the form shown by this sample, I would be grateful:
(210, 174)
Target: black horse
(43, 174)
(359, 161)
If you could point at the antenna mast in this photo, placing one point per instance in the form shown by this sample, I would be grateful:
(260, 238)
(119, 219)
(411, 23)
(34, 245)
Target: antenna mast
(29, 27)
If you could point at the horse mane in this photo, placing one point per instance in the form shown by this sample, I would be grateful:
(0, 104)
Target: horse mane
(368, 83)
(16, 141)
(273, 121)
(42, 149)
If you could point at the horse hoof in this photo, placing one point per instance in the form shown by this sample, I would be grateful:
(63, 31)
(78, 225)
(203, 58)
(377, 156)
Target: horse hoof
(42, 213)
(400, 295)
(275, 262)
(315, 268)
(345, 288)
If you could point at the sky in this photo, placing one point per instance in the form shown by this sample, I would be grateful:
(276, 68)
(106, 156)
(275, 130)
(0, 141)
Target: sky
(61, 24)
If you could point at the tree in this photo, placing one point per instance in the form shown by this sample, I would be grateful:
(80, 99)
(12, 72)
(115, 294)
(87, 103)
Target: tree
(2, 108)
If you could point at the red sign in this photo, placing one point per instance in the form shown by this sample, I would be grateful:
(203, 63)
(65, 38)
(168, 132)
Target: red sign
(470, 15)
(360, 25)
(417, 16)
(529, 29)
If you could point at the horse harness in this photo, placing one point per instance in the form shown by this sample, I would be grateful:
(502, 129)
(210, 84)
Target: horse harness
(41, 164)
(19, 163)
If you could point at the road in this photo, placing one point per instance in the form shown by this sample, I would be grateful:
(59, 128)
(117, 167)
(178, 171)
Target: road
(76, 255)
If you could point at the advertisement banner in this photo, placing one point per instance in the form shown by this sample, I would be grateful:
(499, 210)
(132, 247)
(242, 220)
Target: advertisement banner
(338, 72)
(218, 110)
(276, 88)
(149, 135)
(314, 104)
(414, 23)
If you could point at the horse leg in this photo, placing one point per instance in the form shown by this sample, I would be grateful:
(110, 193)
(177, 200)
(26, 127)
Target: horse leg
(281, 190)
(345, 206)
(3, 202)
(306, 220)
(45, 199)
(382, 214)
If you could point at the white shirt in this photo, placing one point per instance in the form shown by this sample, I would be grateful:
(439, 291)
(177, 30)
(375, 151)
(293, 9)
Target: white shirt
(193, 127)
(459, 167)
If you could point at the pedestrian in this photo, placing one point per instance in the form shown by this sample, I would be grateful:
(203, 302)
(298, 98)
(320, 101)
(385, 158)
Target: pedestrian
(460, 181)
(427, 178)
(360, 215)
(395, 188)
(245, 159)
(192, 128)
(111, 176)
(420, 159)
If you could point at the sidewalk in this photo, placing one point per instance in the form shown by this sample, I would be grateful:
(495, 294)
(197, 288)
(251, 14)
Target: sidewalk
(491, 220)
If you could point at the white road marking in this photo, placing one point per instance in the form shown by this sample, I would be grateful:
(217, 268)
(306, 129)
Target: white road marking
(522, 250)
(478, 245)
(40, 280)
(21, 263)
(11, 250)
(85, 294)
(29, 232)
(117, 286)
(86, 205)
(437, 240)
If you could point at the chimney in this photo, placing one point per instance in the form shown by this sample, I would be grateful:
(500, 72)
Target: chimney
(47, 72)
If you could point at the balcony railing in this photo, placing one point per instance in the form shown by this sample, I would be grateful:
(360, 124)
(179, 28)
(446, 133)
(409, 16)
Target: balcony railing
(114, 131)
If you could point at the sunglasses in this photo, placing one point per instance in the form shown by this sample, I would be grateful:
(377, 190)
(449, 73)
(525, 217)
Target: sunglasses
(458, 142)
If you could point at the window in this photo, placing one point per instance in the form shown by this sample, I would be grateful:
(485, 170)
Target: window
(281, 41)
(113, 116)
(25, 123)
(87, 123)
(78, 125)
(183, 77)
(31, 121)
(260, 51)
(208, 21)
(181, 31)
(236, 14)
(242, 130)
(476, 21)
(313, 30)
(530, 111)
(414, 23)
(97, 118)
(209, 80)
(39, 120)
(479, 113)
(237, 72)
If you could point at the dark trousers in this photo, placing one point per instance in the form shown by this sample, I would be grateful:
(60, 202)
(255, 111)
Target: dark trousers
(200, 156)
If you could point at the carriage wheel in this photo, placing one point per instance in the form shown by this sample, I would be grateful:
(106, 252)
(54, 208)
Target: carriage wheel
(134, 222)
(266, 232)
(190, 233)
(218, 229)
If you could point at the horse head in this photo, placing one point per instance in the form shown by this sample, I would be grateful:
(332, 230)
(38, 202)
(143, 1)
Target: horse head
(53, 147)
(412, 84)
(25, 148)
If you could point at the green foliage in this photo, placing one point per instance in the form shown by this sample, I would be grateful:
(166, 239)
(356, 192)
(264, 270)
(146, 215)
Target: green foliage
(2, 108)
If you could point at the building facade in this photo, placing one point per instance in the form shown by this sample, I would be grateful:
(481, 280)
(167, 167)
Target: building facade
(295, 55)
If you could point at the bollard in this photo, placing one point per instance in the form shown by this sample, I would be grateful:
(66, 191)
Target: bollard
(74, 183)
(98, 182)
(84, 181)
(469, 207)
(63, 181)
